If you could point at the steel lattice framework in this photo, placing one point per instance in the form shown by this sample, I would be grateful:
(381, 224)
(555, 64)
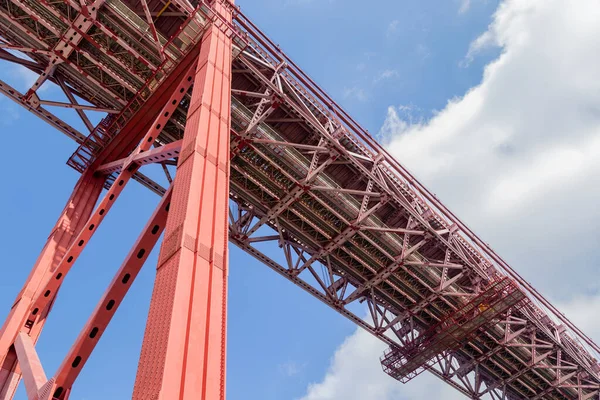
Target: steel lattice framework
(196, 85)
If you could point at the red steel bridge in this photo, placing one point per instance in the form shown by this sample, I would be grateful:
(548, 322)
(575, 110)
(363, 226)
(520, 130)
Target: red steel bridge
(262, 155)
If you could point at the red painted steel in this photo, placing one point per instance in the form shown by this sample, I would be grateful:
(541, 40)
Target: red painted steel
(65, 243)
(132, 130)
(110, 301)
(70, 223)
(416, 355)
(155, 155)
(183, 354)
(34, 376)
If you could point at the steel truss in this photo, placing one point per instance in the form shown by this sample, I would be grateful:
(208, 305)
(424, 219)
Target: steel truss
(354, 228)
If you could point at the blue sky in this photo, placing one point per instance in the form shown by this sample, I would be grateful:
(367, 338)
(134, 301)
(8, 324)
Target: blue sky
(367, 57)
(395, 66)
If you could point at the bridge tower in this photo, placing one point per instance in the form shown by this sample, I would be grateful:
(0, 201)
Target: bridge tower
(183, 352)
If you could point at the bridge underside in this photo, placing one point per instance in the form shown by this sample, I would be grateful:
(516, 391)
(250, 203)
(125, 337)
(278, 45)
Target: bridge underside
(264, 158)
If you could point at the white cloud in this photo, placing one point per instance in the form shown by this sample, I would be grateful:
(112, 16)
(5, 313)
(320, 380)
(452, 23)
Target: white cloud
(399, 118)
(385, 75)
(518, 158)
(423, 51)
(355, 374)
(291, 368)
(464, 6)
(356, 93)
(515, 156)
(393, 28)
(582, 310)
(10, 112)
(484, 41)
(24, 77)
(366, 61)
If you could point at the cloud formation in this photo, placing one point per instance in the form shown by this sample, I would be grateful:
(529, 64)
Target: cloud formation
(515, 156)
(386, 75)
(392, 28)
(355, 93)
(518, 158)
(355, 374)
(464, 6)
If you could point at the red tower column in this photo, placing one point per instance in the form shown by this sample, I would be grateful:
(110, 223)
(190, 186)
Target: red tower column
(70, 223)
(183, 353)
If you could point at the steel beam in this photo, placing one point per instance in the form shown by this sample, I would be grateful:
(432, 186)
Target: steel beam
(34, 376)
(41, 113)
(62, 248)
(183, 353)
(126, 174)
(109, 303)
(156, 155)
(70, 223)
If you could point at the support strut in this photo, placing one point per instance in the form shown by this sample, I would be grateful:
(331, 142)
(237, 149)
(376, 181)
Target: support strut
(109, 303)
(183, 353)
(69, 225)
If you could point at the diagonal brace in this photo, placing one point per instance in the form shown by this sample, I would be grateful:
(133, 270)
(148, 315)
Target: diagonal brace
(34, 376)
(155, 155)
